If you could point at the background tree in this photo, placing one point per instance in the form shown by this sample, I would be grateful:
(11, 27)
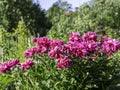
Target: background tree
(31, 13)
(3, 19)
(101, 16)
(59, 16)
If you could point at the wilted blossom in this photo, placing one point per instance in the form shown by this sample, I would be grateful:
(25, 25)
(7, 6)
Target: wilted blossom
(75, 37)
(90, 36)
(28, 64)
(64, 62)
(6, 66)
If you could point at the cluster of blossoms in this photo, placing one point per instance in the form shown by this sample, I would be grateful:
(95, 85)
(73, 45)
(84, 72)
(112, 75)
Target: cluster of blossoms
(82, 46)
(89, 45)
(7, 66)
(42, 45)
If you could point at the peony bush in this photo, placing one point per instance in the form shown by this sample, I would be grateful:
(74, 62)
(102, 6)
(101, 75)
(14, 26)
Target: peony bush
(88, 47)
(84, 62)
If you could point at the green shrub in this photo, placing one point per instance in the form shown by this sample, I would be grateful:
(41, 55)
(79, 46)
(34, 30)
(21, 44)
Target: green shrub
(94, 71)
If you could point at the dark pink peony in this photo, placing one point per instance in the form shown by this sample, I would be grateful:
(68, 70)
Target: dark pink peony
(90, 36)
(54, 43)
(27, 65)
(29, 53)
(35, 40)
(55, 52)
(6, 66)
(75, 37)
(13, 63)
(110, 46)
(43, 41)
(64, 62)
(29, 62)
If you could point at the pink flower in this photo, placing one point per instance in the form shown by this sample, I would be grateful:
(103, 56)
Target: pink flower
(55, 52)
(54, 43)
(24, 66)
(68, 47)
(43, 41)
(43, 44)
(6, 66)
(27, 65)
(90, 36)
(110, 46)
(39, 50)
(29, 62)
(75, 37)
(76, 49)
(92, 47)
(13, 63)
(35, 40)
(105, 39)
(34, 49)
(29, 53)
(64, 62)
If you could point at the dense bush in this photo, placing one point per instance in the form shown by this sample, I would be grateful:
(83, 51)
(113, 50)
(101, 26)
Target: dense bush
(84, 63)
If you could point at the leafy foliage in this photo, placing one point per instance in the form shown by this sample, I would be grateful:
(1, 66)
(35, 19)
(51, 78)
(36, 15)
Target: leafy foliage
(85, 73)
(5, 81)
(31, 13)
(24, 18)
(16, 42)
(100, 16)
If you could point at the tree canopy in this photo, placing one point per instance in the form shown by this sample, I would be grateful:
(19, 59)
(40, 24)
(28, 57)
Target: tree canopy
(32, 14)
(101, 16)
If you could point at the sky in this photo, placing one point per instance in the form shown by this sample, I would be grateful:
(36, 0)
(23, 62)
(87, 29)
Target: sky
(45, 4)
